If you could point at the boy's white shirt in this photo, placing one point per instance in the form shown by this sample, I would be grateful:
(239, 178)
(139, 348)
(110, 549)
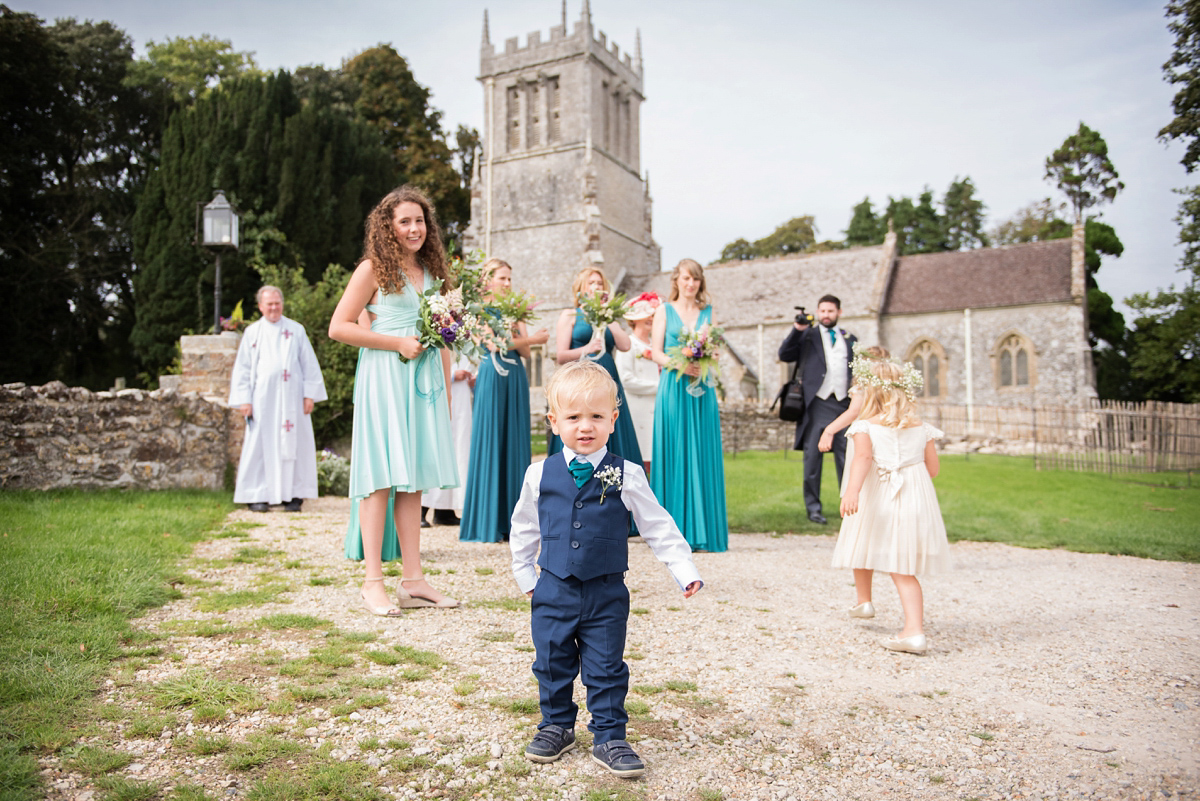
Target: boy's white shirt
(654, 523)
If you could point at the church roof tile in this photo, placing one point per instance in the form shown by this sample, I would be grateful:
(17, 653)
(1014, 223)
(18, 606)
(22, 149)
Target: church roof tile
(1037, 272)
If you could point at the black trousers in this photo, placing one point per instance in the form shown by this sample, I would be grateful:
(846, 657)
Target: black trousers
(820, 413)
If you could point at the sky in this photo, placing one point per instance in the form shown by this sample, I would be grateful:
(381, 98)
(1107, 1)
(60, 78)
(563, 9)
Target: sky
(758, 111)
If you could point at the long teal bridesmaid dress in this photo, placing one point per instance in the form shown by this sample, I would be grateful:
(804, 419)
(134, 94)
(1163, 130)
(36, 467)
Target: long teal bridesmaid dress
(624, 439)
(688, 474)
(401, 438)
(500, 448)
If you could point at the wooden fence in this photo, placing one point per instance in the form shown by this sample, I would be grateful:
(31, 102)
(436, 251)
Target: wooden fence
(1102, 436)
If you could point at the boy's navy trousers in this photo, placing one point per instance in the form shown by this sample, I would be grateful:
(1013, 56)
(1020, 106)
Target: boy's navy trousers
(579, 629)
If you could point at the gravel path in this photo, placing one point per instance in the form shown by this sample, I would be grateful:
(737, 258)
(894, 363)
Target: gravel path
(1050, 675)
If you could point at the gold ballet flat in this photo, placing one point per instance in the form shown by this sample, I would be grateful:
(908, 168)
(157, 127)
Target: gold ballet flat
(915, 644)
(865, 609)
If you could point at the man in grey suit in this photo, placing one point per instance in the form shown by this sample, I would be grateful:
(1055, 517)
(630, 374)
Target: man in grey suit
(824, 352)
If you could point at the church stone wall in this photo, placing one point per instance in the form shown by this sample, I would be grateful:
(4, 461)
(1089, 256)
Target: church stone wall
(1053, 329)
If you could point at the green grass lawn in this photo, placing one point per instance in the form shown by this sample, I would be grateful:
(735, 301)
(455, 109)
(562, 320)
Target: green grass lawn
(74, 568)
(994, 499)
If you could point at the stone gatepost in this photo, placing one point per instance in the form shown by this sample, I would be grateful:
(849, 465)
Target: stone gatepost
(207, 362)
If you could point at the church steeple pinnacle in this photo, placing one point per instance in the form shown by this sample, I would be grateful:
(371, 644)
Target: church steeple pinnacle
(637, 53)
(564, 16)
(487, 37)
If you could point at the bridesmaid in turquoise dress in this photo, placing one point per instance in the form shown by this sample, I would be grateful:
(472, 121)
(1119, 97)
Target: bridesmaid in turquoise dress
(402, 442)
(500, 447)
(689, 474)
(575, 340)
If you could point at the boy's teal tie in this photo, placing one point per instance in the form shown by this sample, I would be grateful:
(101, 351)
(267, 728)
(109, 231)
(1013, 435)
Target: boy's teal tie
(581, 469)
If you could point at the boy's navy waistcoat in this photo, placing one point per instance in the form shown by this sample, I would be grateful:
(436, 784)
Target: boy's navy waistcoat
(581, 536)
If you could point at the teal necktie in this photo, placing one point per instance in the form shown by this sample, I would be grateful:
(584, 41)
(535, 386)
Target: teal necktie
(581, 469)
(832, 337)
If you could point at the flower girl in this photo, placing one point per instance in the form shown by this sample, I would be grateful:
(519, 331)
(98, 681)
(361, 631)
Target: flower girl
(891, 518)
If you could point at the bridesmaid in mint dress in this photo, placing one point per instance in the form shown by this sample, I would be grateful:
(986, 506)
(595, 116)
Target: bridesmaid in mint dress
(575, 340)
(689, 475)
(402, 443)
(500, 428)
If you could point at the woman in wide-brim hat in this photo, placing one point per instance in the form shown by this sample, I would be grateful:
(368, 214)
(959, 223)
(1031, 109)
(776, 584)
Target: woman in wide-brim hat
(639, 372)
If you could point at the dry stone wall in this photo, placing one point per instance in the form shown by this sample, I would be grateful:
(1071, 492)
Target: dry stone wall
(59, 436)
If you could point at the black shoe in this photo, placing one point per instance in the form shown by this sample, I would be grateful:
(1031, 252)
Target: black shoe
(619, 758)
(293, 505)
(817, 517)
(424, 522)
(550, 743)
(259, 507)
(445, 517)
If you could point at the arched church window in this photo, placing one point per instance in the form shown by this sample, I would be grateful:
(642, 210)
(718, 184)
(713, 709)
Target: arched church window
(929, 359)
(1016, 362)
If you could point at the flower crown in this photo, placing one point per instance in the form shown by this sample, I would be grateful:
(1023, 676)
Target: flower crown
(910, 381)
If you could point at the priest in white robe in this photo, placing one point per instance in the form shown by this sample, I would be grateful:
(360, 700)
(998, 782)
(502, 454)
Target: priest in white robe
(276, 380)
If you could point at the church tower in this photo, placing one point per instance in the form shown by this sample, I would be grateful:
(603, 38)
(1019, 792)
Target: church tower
(559, 185)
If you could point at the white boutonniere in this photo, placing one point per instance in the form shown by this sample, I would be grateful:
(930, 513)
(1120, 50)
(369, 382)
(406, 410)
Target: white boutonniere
(610, 478)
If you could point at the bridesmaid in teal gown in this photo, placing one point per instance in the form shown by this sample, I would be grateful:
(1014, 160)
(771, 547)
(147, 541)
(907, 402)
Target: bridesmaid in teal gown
(401, 440)
(500, 428)
(575, 340)
(689, 474)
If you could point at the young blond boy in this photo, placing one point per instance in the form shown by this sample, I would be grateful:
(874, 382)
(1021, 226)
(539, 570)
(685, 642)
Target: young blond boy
(575, 506)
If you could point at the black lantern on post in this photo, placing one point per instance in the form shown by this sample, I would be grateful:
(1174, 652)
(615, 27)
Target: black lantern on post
(218, 229)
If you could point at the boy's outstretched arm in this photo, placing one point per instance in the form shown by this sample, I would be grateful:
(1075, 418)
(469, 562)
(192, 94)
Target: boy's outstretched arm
(689, 590)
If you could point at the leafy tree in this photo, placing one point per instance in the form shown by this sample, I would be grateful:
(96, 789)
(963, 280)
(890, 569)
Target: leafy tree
(926, 232)
(1082, 171)
(794, 236)
(963, 216)
(797, 235)
(188, 66)
(303, 174)
(865, 228)
(901, 213)
(1037, 222)
(467, 144)
(1183, 67)
(390, 99)
(738, 250)
(73, 164)
(1164, 348)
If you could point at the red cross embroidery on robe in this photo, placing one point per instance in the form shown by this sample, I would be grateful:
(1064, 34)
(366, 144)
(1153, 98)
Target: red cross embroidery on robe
(287, 334)
(288, 426)
(286, 375)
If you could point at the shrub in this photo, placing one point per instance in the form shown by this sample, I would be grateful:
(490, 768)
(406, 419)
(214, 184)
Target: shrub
(333, 474)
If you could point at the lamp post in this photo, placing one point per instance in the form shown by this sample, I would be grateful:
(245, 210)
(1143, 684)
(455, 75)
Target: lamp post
(218, 229)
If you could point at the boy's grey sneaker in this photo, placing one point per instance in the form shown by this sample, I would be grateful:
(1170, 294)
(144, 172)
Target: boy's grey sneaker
(550, 743)
(619, 758)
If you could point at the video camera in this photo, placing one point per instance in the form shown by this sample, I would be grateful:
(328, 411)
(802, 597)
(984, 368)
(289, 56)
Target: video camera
(803, 318)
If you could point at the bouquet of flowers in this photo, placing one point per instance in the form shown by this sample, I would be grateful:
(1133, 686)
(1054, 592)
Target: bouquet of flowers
(446, 321)
(514, 307)
(457, 320)
(700, 347)
(599, 310)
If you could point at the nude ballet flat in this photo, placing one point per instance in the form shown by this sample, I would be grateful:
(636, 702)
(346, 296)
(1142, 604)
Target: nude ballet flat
(409, 601)
(865, 609)
(382, 611)
(915, 644)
